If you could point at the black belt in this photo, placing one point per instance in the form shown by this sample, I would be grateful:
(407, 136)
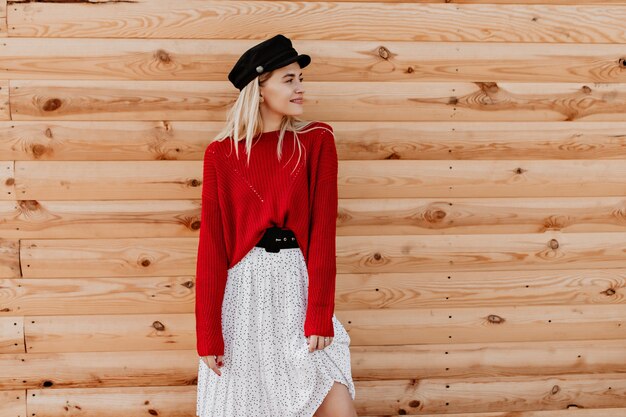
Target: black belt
(274, 239)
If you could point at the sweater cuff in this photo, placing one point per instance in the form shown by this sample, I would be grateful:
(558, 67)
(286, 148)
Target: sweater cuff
(319, 321)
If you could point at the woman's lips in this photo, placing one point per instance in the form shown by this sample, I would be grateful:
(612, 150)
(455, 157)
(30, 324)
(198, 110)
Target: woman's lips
(297, 101)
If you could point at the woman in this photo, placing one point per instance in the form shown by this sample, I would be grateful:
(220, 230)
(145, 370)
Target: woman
(268, 340)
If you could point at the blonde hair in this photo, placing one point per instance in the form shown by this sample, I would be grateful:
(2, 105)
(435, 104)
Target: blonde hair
(243, 121)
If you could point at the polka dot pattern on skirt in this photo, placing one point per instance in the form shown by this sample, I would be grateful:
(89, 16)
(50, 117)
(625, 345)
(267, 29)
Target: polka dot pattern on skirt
(267, 368)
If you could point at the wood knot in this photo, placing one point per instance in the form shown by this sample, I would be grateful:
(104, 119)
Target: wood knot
(609, 291)
(158, 325)
(555, 390)
(622, 62)
(188, 284)
(195, 182)
(195, 225)
(393, 155)
(48, 133)
(153, 412)
(163, 56)
(586, 89)
(29, 205)
(410, 70)
(492, 318)
(453, 101)
(47, 383)
(414, 403)
(38, 150)
(377, 256)
(554, 244)
(383, 52)
(9, 181)
(402, 412)
(489, 87)
(52, 104)
(519, 170)
(434, 216)
(145, 262)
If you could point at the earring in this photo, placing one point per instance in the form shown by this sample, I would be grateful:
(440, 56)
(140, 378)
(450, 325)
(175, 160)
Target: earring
(262, 99)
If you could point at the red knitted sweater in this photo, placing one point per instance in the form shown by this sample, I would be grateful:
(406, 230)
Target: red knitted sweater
(240, 202)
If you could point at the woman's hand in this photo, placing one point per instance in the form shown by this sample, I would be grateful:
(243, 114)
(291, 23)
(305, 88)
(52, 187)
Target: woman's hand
(318, 342)
(214, 364)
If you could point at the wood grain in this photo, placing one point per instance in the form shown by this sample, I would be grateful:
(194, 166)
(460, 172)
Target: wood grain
(451, 101)
(341, 21)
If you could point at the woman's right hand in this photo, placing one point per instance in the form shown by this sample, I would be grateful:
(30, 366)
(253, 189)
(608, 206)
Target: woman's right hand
(214, 362)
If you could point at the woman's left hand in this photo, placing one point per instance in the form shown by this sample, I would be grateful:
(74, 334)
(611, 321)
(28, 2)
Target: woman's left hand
(319, 342)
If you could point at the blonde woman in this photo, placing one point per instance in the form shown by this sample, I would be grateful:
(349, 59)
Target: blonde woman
(267, 336)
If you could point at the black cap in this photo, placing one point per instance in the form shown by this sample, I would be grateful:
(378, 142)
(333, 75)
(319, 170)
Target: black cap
(266, 56)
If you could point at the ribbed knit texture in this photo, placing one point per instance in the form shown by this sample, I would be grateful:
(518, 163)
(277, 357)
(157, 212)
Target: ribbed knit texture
(240, 202)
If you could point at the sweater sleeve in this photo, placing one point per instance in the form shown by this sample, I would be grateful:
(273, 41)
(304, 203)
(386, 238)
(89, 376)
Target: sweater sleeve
(211, 265)
(321, 264)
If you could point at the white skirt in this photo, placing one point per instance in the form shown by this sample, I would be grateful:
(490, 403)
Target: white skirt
(267, 368)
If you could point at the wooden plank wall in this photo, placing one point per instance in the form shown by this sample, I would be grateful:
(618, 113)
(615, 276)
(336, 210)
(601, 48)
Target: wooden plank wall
(481, 241)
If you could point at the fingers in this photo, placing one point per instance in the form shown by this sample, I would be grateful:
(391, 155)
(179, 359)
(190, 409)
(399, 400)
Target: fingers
(318, 342)
(214, 364)
(312, 343)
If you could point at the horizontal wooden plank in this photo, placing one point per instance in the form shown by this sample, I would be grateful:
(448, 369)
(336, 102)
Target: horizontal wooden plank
(12, 335)
(152, 180)
(86, 219)
(108, 180)
(9, 258)
(109, 333)
(402, 101)
(336, 20)
(424, 140)
(481, 395)
(487, 252)
(437, 216)
(345, 61)
(66, 258)
(447, 289)
(399, 397)
(120, 100)
(504, 178)
(485, 324)
(170, 401)
(126, 295)
(109, 140)
(363, 140)
(45, 219)
(369, 363)
(487, 360)
(98, 369)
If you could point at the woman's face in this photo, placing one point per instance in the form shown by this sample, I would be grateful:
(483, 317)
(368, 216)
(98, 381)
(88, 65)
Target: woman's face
(283, 86)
